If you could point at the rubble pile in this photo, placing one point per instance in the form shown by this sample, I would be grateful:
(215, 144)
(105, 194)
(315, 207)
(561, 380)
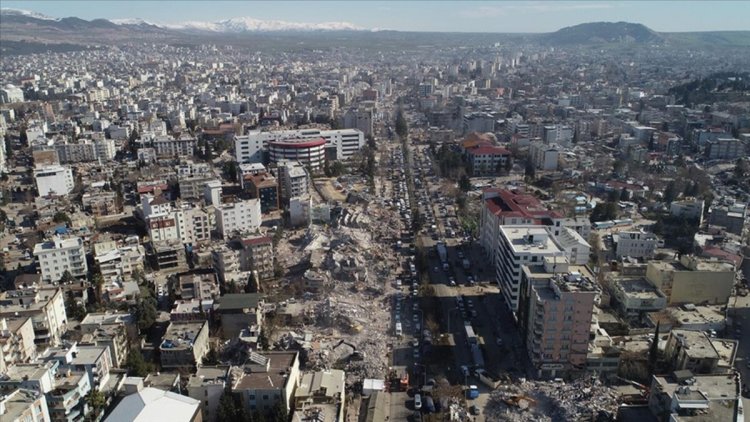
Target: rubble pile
(525, 401)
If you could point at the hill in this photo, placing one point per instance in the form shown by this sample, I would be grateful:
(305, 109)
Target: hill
(603, 32)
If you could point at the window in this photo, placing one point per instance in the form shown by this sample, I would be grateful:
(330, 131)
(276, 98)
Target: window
(265, 396)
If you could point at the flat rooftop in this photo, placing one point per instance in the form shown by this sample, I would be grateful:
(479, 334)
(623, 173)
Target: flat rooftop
(699, 315)
(697, 344)
(276, 376)
(638, 287)
(181, 334)
(721, 392)
(530, 240)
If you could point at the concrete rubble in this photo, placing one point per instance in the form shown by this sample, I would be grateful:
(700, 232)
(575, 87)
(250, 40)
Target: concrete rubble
(586, 399)
(348, 283)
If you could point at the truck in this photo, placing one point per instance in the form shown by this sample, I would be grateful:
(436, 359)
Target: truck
(472, 392)
(471, 338)
(442, 252)
(476, 355)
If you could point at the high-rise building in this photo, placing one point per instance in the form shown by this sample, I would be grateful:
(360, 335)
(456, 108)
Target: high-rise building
(555, 315)
(54, 180)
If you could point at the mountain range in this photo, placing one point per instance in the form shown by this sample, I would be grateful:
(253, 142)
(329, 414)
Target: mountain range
(25, 31)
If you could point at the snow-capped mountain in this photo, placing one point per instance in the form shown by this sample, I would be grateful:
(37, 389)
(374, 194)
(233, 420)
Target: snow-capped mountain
(6, 11)
(245, 24)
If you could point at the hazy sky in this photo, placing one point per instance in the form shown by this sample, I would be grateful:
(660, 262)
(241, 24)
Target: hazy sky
(454, 16)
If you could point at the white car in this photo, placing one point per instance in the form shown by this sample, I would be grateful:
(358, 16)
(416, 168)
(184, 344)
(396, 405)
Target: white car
(417, 402)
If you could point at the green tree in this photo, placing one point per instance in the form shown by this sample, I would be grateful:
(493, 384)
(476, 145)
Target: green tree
(508, 165)
(61, 217)
(97, 281)
(530, 171)
(279, 413)
(670, 193)
(66, 277)
(402, 129)
(136, 364)
(464, 183)
(227, 408)
(96, 402)
(230, 170)
(146, 313)
(73, 309)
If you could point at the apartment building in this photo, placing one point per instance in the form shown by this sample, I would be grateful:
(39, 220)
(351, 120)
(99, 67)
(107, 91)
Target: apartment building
(58, 255)
(110, 330)
(689, 208)
(321, 396)
(152, 404)
(238, 311)
(633, 296)
(265, 188)
(257, 255)
(118, 262)
(24, 406)
(693, 280)
(86, 150)
(194, 223)
(502, 207)
(207, 385)
(67, 401)
(725, 148)
(16, 341)
(555, 315)
(167, 147)
(294, 180)
(519, 246)
(239, 216)
(93, 360)
(732, 217)
(54, 180)
(635, 244)
(45, 307)
(265, 380)
(544, 156)
(184, 344)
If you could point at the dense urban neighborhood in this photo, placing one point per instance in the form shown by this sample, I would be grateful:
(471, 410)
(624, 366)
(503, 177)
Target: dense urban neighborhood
(415, 227)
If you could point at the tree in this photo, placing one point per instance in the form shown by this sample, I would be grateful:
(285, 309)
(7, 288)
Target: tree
(98, 282)
(464, 183)
(741, 168)
(530, 171)
(73, 309)
(66, 277)
(670, 193)
(146, 313)
(230, 170)
(228, 410)
(653, 353)
(96, 401)
(136, 364)
(402, 129)
(8, 146)
(279, 413)
(624, 195)
(61, 217)
(508, 165)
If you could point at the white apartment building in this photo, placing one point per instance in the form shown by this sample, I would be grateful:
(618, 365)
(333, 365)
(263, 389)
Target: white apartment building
(251, 147)
(576, 248)
(238, 217)
(167, 147)
(45, 307)
(635, 244)
(194, 224)
(543, 156)
(519, 246)
(59, 255)
(293, 179)
(54, 180)
(691, 208)
(86, 150)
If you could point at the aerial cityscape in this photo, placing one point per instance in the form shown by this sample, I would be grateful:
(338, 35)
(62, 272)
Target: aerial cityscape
(374, 211)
